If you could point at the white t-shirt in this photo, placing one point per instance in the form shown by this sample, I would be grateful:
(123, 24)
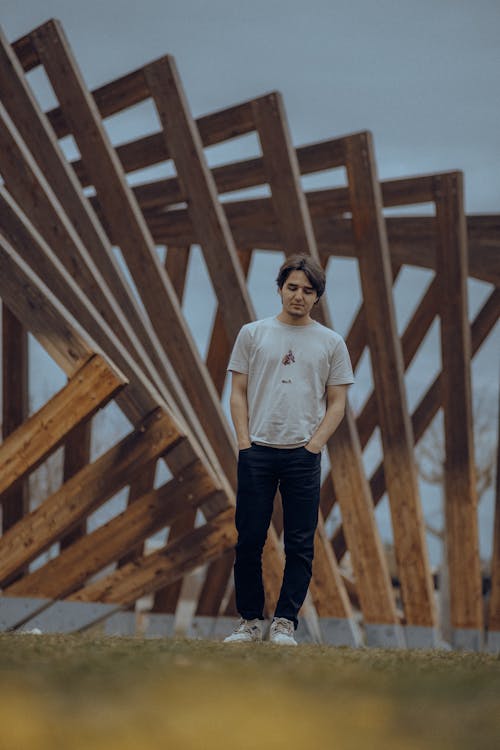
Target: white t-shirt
(288, 369)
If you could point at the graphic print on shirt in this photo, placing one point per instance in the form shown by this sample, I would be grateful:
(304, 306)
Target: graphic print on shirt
(288, 359)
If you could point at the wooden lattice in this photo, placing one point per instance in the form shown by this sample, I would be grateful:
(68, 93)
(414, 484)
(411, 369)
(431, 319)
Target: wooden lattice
(60, 281)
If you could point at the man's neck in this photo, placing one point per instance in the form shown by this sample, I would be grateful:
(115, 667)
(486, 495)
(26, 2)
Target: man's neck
(291, 320)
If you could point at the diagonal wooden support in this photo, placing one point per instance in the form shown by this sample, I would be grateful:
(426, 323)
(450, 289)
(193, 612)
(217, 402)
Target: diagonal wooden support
(155, 571)
(167, 598)
(88, 390)
(387, 367)
(210, 223)
(25, 246)
(90, 554)
(15, 500)
(494, 604)
(429, 404)
(39, 137)
(462, 540)
(76, 456)
(412, 337)
(143, 484)
(130, 232)
(88, 489)
(29, 188)
(67, 343)
(219, 349)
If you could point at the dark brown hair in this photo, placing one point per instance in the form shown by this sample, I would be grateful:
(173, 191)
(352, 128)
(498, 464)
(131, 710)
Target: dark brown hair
(310, 267)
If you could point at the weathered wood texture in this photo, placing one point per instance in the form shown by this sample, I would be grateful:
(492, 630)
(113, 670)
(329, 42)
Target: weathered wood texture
(462, 540)
(387, 368)
(15, 404)
(204, 209)
(155, 571)
(42, 142)
(430, 403)
(494, 605)
(132, 235)
(58, 267)
(412, 239)
(76, 456)
(282, 171)
(88, 390)
(88, 489)
(147, 515)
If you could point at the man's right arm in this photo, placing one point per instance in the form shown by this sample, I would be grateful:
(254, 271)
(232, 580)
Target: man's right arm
(239, 408)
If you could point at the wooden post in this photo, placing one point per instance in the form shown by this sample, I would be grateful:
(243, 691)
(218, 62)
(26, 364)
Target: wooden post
(387, 368)
(460, 476)
(15, 500)
(493, 642)
(207, 216)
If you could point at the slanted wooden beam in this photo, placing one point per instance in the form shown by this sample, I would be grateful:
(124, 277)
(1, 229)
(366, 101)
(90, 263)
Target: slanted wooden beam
(294, 223)
(63, 337)
(88, 489)
(494, 605)
(141, 397)
(131, 234)
(39, 137)
(429, 404)
(462, 538)
(89, 390)
(206, 214)
(176, 266)
(219, 349)
(167, 598)
(412, 337)
(155, 509)
(15, 500)
(388, 371)
(76, 456)
(155, 571)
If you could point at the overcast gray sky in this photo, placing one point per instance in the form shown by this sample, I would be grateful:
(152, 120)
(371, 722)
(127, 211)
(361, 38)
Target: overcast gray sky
(423, 76)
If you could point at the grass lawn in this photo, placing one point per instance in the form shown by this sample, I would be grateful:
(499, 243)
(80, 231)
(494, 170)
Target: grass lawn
(75, 692)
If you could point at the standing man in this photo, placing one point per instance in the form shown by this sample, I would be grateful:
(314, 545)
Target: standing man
(289, 381)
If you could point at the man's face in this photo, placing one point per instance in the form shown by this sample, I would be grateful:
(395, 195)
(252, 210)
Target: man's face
(297, 295)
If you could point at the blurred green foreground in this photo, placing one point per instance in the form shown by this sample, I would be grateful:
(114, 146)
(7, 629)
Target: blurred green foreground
(75, 692)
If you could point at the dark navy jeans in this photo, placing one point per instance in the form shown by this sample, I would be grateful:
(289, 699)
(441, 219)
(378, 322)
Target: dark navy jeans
(261, 471)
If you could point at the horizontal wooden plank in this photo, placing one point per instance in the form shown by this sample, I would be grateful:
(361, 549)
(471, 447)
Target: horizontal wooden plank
(144, 517)
(155, 571)
(84, 492)
(411, 239)
(87, 391)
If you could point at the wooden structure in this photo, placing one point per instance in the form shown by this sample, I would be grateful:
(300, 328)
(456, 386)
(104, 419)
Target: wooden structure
(60, 280)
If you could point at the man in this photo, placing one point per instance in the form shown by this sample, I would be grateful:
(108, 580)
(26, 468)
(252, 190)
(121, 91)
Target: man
(289, 381)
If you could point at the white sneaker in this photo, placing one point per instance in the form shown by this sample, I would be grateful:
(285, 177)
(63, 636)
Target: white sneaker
(282, 631)
(245, 632)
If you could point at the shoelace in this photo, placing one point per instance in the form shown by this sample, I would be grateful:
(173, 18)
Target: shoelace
(282, 626)
(244, 626)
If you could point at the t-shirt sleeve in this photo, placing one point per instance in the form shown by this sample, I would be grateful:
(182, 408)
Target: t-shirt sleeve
(240, 356)
(340, 366)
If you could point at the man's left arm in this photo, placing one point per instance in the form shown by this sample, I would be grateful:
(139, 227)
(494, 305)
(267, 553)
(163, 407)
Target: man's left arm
(335, 409)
